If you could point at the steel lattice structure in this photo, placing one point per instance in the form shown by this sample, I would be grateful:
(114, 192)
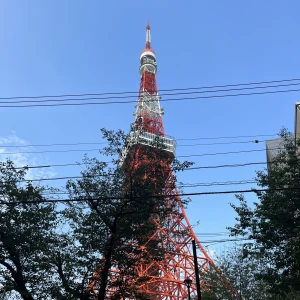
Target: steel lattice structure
(167, 275)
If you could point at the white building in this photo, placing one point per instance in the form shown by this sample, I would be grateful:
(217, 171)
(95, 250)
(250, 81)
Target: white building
(273, 147)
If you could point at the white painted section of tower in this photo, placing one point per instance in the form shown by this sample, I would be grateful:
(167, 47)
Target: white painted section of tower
(148, 139)
(148, 36)
(148, 66)
(148, 52)
(148, 103)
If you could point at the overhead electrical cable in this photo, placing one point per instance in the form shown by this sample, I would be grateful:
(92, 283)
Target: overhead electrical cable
(222, 233)
(51, 145)
(225, 240)
(190, 155)
(49, 151)
(102, 143)
(206, 184)
(179, 156)
(161, 95)
(152, 196)
(226, 166)
(99, 149)
(162, 100)
(135, 92)
(189, 169)
(212, 242)
(222, 143)
(226, 153)
(226, 137)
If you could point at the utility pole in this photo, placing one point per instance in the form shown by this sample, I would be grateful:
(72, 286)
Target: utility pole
(196, 270)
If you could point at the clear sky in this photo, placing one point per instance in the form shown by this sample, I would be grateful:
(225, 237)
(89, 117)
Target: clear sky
(70, 47)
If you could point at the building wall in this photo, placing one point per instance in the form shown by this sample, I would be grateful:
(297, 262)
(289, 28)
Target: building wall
(273, 147)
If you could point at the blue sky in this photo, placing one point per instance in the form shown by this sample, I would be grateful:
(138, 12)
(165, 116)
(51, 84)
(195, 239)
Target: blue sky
(70, 47)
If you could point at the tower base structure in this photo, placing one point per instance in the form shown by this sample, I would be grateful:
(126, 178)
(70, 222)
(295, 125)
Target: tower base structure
(178, 262)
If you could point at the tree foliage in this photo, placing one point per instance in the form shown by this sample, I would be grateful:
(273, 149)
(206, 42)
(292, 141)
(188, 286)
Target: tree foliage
(274, 222)
(235, 277)
(54, 251)
(124, 205)
(26, 231)
(36, 241)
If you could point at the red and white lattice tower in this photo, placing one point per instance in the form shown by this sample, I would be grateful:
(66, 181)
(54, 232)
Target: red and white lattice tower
(167, 275)
(170, 272)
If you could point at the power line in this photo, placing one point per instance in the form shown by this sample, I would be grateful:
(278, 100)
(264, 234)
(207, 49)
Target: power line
(163, 100)
(195, 168)
(191, 155)
(101, 143)
(50, 151)
(226, 240)
(135, 92)
(223, 143)
(226, 166)
(223, 233)
(179, 156)
(205, 184)
(128, 97)
(226, 153)
(212, 242)
(50, 145)
(226, 137)
(100, 149)
(147, 197)
(79, 164)
(55, 165)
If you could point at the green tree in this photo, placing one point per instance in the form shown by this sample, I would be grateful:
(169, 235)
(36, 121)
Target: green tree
(50, 250)
(26, 230)
(274, 222)
(235, 277)
(124, 203)
(36, 241)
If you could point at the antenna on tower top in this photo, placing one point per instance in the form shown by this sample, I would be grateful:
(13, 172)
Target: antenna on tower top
(148, 36)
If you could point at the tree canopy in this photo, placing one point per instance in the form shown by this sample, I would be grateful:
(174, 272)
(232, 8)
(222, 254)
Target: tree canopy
(126, 204)
(234, 277)
(27, 230)
(273, 224)
(97, 238)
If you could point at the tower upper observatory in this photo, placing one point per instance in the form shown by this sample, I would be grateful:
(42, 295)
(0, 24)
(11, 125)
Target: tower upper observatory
(148, 58)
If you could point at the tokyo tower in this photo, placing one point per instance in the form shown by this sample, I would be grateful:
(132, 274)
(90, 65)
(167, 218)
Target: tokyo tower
(174, 268)
(167, 275)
